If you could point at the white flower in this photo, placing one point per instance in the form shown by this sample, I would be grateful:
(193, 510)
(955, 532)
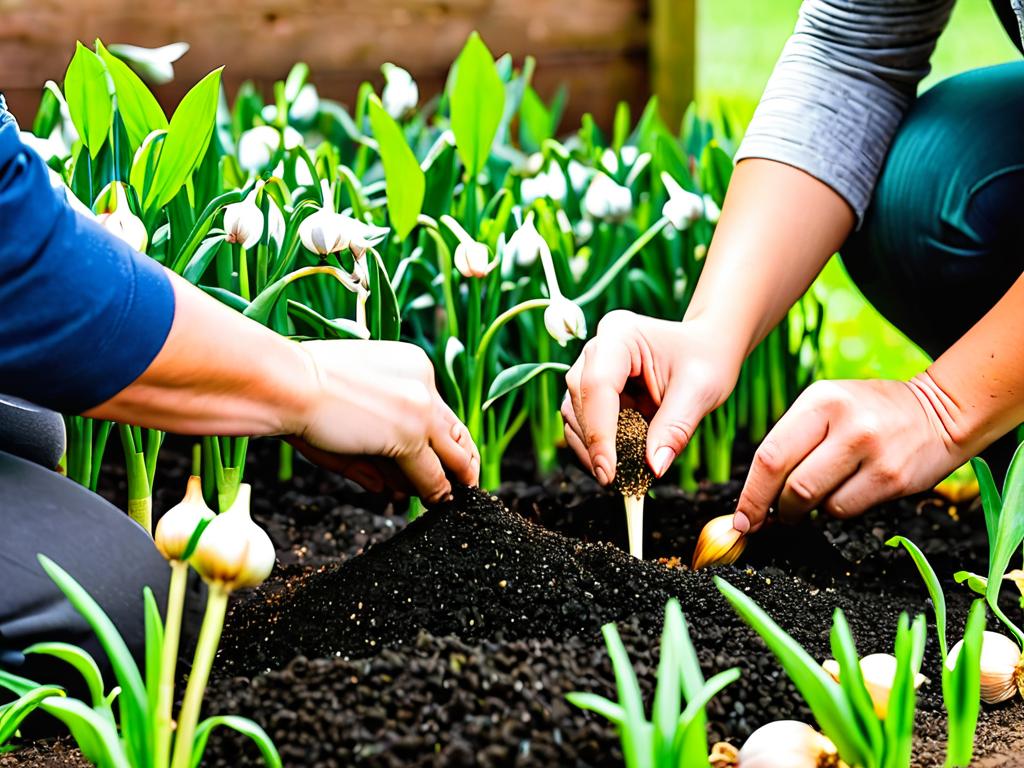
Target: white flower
(526, 244)
(306, 105)
(177, 525)
(564, 320)
(579, 175)
(400, 95)
(683, 208)
(607, 200)
(711, 210)
(257, 146)
(233, 551)
(327, 232)
(548, 183)
(303, 176)
(121, 222)
(154, 65)
(243, 222)
(472, 258)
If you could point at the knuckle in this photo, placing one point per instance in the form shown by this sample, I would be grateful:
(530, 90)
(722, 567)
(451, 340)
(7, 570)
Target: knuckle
(769, 457)
(890, 477)
(675, 432)
(802, 489)
(616, 320)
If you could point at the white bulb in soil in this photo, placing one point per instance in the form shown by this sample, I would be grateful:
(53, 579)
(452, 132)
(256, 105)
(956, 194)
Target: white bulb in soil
(879, 672)
(787, 744)
(175, 528)
(1002, 667)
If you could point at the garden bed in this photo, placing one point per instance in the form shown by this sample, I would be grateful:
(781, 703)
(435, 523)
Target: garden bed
(454, 639)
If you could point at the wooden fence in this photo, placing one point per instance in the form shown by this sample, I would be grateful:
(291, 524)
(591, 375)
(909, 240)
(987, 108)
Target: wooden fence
(603, 50)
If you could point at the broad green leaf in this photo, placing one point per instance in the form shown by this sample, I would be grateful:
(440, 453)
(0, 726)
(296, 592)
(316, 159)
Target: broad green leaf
(243, 726)
(80, 660)
(188, 137)
(135, 102)
(931, 582)
(477, 102)
(516, 376)
(88, 97)
(851, 680)
(961, 689)
(406, 182)
(94, 734)
(826, 700)
(384, 318)
(1009, 534)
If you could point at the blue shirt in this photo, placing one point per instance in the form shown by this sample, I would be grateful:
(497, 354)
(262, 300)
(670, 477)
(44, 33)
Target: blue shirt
(81, 314)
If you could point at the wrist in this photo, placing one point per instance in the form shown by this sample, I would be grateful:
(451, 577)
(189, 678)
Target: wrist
(298, 388)
(952, 423)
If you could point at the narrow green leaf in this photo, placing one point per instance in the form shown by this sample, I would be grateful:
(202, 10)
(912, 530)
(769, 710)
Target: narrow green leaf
(385, 322)
(694, 738)
(1009, 535)
(95, 735)
(243, 726)
(88, 97)
(80, 660)
(931, 582)
(516, 376)
(477, 102)
(406, 182)
(634, 733)
(12, 715)
(665, 715)
(851, 680)
(961, 690)
(341, 328)
(138, 107)
(976, 583)
(154, 647)
(609, 710)
(991, 502)
(694, 712)
(899, 719)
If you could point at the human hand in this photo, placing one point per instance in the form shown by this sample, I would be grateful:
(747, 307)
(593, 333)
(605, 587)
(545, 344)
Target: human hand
(376, 416)
(674, 373)
(845, 446)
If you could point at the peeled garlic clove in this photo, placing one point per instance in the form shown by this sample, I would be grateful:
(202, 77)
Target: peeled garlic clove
(718, 544)
(174, 530)
(787, 743)
(879, 672)
(1002, 667)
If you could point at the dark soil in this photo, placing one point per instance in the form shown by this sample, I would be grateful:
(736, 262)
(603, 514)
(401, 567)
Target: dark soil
(453, 640)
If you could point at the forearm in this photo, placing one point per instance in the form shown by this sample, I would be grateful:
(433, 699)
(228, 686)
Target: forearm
(977, 387)
(779, 226)
(218, 373)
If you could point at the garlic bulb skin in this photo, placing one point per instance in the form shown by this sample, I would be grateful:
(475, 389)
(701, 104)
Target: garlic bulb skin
(879, 672)
(787, 744)
(718, 544)
(1002, 667)
(174, 530)
(233, 551)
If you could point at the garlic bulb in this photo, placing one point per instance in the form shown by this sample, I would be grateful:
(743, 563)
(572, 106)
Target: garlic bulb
(175, 528)
(787, 744)
(233, 551)
(1002, 667)
(718, 544)
(879, 672)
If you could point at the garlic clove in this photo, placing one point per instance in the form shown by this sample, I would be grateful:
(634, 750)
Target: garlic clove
(718, 544)
(1002, 667)
(788, 743)
(879, 672)
(175, 528)
(233, 551)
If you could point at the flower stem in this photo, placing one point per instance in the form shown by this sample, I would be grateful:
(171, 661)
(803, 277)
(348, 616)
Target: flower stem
(206, 649)
(612, 272)
(168, 663)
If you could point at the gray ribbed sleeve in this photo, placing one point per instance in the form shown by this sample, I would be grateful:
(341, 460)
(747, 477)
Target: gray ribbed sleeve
(844, 81)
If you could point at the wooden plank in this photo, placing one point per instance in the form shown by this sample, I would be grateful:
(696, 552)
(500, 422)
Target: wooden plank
(673, 41)
(599, 47)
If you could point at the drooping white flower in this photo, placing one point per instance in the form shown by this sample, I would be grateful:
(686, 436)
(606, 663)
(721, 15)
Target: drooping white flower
(326, 231)
(683, 208)
(548, 183)
(471, 258)
(711, 210)
(256, 147)
(233, 552)
(306, 105)
(121, 222)
(243, 222)
(401, 94)
(564, 320)
(154, 65)
(606, 200)
(526, 244)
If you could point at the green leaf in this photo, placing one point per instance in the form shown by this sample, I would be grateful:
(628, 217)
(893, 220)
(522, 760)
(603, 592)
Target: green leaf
(931, 581)
(342, 328)
(243, 726)
(262, 305)
(88, 97)
(691, 728)
(188, 137)
(406, 182)
(609, 710)
(516, 376)
(991, 502)
(80, 660)
(1009, 535)
(95, 735)
(899, 719)
(825, 698)
(477, 102)
(12, 715)
(383, 314)
(665, 715)
(202, 258)
(961, 690)
(137, 106)
(154, 648)
(851, 680)
(694, 738)
(976, 583)
(634, 729)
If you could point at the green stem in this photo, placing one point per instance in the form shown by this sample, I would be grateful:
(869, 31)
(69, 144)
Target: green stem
(168, 663)
(606, 279)
(206, 649)
(243, 273)
(140, 495)
(285, 462)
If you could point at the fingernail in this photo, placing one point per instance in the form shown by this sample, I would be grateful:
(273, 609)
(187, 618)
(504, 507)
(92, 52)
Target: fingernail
(603, 475)
(662, 459)
(740, 522)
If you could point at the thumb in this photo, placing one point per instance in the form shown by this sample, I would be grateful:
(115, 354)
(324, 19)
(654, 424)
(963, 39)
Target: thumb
(672, 427)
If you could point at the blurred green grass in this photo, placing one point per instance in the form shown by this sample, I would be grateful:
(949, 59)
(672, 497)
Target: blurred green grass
(737, 44)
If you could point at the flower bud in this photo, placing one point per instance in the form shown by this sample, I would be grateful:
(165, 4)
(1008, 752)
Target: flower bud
(233, 551)
(401, 94)
(607, 200)
(683, 208)
(879, 672)
(175, 529)
(564, 320)
(154, 65)
(788, 743)
(325, 231)
(718, 544)
(243, 222)
(121, 222)
(257, 146)
(526, 244)
(473, 259)
(548, 183)
(1002, 667)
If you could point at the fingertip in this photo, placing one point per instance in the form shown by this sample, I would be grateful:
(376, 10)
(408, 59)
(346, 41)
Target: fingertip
(740, 522)
(603, 469)
(662, 460)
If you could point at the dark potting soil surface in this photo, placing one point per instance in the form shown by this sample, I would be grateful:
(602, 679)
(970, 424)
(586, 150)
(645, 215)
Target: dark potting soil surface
(452, 641)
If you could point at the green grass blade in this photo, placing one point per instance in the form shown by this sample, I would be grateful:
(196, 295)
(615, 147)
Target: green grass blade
(991, 502)
(690, 743)
(692, 680)
(80, 660)
(961, 690)
(851, 680)
(1009, 535)
(607, 709)
(822, 694)
(931, 582)
(154, 648)
(243, 726)
(665, 714)
(13, 715)
(635, 746)
(899, 720)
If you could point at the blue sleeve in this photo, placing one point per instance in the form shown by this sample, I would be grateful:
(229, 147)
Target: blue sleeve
(81, 314)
